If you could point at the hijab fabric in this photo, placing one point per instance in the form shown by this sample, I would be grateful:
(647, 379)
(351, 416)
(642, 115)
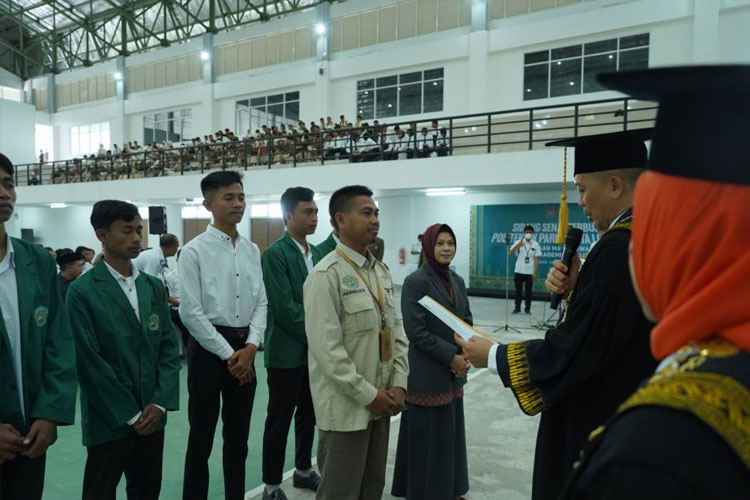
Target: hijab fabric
(691, 259)
(429, 240)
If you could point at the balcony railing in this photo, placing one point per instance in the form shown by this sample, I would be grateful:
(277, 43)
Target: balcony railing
(502, 131)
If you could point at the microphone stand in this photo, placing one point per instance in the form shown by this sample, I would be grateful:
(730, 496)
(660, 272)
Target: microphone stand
(507, 288)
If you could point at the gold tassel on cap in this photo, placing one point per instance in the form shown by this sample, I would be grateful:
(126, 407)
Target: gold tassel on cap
(562, 221)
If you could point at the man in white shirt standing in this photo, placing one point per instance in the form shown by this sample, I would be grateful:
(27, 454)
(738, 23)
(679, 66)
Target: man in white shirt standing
(154, 260)
(224, 306)
(527, 266)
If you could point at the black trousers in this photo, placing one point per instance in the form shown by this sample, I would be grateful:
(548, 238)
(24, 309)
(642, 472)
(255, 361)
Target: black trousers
(288, 389)
(211, 386)
(521, 280)
(139, 457)
(22, 478)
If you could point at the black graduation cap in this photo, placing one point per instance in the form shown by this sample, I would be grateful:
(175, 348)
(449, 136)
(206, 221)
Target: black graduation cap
(68, 257)
(702, 127)
(597, 153)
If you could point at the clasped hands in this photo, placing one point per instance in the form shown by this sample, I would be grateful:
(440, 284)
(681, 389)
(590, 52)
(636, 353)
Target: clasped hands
(40, 436)
(240, 364)
(388, 402)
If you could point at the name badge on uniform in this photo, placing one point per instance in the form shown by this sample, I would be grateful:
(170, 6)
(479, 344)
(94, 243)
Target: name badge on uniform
(527, 260)
(386, 350)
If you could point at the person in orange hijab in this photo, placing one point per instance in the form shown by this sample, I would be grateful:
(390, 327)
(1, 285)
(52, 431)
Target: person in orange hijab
(686, 432)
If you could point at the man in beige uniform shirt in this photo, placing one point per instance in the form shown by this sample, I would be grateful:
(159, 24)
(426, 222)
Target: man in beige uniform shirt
(357, 353)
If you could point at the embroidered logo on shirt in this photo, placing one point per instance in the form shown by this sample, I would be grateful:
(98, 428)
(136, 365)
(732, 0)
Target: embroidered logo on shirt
(350, 282)
(153, 322)
(40, 315)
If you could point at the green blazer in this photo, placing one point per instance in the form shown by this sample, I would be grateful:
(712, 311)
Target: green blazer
(284, 272)
(47, 351)
(123, 364)
(327, 246)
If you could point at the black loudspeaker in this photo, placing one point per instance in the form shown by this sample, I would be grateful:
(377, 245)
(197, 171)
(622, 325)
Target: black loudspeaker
(157, 220)
(27, 234)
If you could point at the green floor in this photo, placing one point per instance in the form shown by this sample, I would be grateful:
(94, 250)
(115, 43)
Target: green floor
(67, 457)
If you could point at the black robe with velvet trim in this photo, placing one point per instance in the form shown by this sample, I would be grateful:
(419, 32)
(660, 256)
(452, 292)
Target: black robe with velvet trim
(584, 368)
(663, 450)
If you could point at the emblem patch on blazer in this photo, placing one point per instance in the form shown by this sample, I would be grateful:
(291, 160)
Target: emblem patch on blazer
(350, 282)
(153, 322)
(40, 315)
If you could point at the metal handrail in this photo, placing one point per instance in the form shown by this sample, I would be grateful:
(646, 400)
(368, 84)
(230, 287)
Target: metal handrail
(532, 127)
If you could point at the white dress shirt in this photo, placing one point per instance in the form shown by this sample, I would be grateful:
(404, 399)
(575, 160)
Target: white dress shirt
(306, 254)
(128, 286)
(172, 282)
(11, 316)
(152, 261)
(221, 284)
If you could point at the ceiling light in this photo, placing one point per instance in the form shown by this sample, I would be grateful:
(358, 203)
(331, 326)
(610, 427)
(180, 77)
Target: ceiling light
(118, 76)
(58, 205)
(320, 28)
(445, 191)
(205, 56)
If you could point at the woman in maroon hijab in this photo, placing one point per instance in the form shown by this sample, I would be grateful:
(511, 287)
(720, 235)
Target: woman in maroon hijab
(431, 456)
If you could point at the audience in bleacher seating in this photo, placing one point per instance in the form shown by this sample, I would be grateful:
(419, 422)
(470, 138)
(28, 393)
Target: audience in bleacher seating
(280, 144)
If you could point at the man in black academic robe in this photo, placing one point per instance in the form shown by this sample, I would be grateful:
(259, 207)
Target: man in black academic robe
(686, 432)
(598, 354)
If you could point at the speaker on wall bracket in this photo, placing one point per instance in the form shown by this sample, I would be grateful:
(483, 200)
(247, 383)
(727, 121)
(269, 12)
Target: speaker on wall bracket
(157, 220)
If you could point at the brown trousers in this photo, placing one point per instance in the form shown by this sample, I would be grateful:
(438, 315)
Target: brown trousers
(352, 464)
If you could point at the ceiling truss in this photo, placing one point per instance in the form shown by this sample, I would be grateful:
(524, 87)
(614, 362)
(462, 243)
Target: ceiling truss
(49, 36)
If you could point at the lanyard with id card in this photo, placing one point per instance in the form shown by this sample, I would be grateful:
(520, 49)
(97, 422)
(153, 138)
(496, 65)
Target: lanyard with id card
(386, 350)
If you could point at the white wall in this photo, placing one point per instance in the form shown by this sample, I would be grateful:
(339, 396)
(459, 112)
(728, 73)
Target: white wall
(17, 131)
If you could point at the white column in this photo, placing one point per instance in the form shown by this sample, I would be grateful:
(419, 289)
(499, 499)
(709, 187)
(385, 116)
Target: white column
(478, 43)
(322, 27)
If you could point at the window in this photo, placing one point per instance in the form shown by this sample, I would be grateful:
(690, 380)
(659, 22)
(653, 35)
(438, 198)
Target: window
(85, 139)
(265, 211)
(572, 70)
(411, 93)
(10, 94)
(171, 126)
(269, 110)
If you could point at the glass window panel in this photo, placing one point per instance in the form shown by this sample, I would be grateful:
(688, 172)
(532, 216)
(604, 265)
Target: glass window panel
(592, 66)
(160, 117)
(628, 42)
(274, 99)
(292, 96)
(634, 59)
(387, 81)
(187, 131)
(366, 84)
(245, 103)
(565, 78)
(535, 81)
(566, 52)
(105, 138)
(148, 135)
(433, 96)
(599, 47)
(105, 126)
(410, 77)
(387, 102)
(433, 74)
(160, 135)
(536, 57)
(258, 102)
(277, 110)
(292, 111)
(366, 104)
(410, 99)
